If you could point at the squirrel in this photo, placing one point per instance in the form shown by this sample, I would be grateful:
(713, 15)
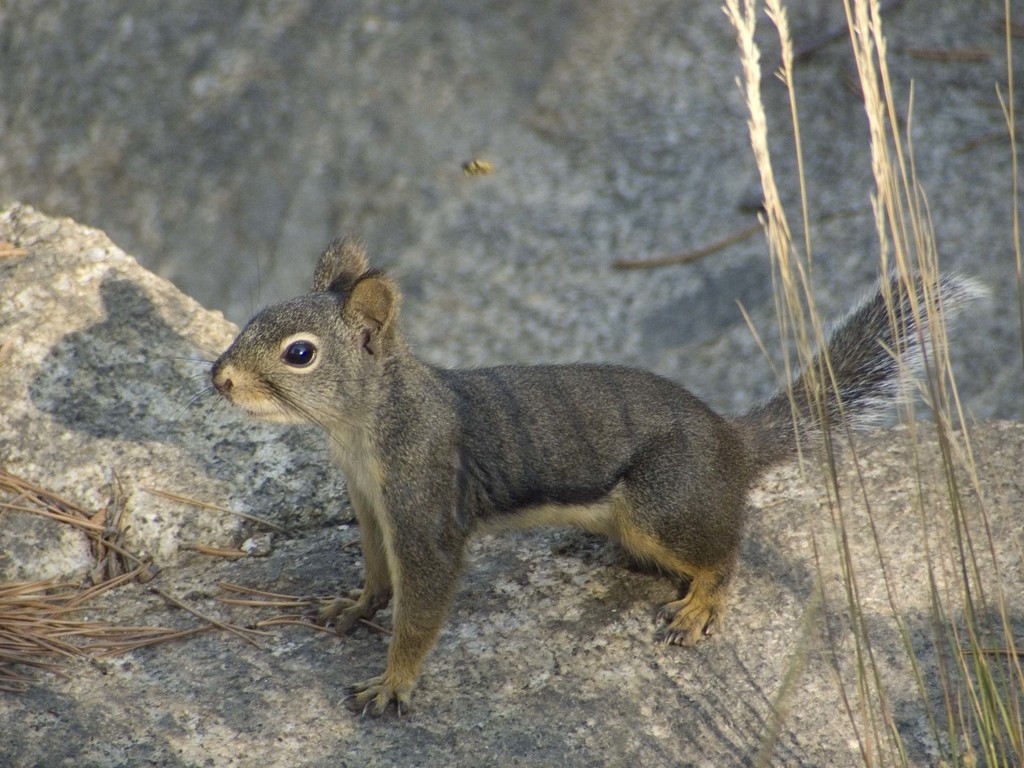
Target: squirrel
(432, 455)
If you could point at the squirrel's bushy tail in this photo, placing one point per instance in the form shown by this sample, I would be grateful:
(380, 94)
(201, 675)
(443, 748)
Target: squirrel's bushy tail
(872, 354)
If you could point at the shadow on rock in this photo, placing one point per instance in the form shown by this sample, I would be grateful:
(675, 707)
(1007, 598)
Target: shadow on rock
(119, 378)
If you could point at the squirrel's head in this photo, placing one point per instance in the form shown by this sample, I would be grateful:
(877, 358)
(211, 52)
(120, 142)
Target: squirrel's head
(308, 359)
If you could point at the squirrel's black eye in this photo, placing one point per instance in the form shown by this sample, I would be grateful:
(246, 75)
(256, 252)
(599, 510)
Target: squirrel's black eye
(299, 353)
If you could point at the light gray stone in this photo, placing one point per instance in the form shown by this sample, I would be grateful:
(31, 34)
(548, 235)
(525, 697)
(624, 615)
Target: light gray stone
(549, 657)
(226, 145)
(107, 368)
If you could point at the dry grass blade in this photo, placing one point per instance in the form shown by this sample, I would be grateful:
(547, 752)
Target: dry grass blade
(297, 603)
(111, 557)
(987, 138)
(307, 622)
(994, 651)
(971, 703)
(141, 574)
(60, 517)
(36, 629)
(293, 619)
(805, 51)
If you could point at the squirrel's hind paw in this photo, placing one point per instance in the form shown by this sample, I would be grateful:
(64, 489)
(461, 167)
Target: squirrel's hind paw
(690, 620)
(343, 613)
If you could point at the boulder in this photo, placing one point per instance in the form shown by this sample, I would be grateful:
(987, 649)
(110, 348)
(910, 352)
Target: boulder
(551, 654)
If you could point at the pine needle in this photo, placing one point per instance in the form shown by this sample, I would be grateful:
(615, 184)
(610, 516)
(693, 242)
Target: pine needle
(212, 507)
(38, 628)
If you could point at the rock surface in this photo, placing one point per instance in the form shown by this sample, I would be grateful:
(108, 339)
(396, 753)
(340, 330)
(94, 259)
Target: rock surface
(550, 656)
(226, 145)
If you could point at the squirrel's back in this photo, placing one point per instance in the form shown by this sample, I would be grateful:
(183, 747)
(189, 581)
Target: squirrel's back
(568, 434)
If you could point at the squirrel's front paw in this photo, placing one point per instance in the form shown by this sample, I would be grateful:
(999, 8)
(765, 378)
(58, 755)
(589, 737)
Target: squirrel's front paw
(374, 696)
(690, 619)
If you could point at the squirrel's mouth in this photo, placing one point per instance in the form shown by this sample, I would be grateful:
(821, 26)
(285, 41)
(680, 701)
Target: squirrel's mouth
(256, 399)
(264, 409)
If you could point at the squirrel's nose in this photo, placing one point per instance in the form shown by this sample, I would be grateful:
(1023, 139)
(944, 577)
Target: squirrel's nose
(221, 379)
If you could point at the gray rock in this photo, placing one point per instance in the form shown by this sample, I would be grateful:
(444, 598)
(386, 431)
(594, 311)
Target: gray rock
(226, 145)
(549, 657)
(112, 364)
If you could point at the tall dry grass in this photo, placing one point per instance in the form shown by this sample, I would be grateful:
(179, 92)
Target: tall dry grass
(967, 675)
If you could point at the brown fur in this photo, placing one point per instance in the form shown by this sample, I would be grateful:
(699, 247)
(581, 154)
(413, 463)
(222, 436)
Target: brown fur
(432, 455)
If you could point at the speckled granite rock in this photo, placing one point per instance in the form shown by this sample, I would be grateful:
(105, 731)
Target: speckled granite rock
(549, 657)
(225, 145)
(105, 367)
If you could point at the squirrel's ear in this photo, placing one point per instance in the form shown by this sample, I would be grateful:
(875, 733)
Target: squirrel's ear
(372, 307)
(340, 265)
